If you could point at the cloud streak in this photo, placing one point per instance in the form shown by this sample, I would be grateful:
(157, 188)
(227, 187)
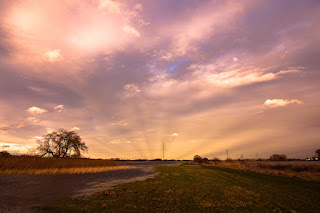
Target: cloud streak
(274, 103)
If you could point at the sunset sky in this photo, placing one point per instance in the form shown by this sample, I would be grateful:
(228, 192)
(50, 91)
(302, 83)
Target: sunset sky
(202, 76)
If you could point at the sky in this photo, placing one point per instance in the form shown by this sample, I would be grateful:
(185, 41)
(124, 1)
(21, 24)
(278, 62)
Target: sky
(202, 76)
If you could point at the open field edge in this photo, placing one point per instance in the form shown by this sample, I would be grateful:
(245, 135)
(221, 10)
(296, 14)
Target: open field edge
(77, 170)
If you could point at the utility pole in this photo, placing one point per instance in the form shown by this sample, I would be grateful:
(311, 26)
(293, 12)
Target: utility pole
(241, 157)
(227, 151)
(163, 149)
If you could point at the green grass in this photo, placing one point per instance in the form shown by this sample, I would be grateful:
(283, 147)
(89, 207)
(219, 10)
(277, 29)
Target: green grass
(202, 189)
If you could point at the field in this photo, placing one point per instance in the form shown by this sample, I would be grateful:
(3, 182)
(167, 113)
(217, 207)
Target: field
(306, 170)
(195, 188)
(36, 165)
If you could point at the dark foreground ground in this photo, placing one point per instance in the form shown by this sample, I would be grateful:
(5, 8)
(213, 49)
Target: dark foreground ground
(19, 192)
(189, 188)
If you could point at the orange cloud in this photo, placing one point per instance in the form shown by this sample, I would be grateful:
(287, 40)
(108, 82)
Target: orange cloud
(75, 128)
(39, 137)
(14, 148)
(273, 103)
(49, 130)
(20, 125)
(32, 120)
(4, 127)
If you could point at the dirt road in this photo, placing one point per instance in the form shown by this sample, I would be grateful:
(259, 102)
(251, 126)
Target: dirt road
(19, 192)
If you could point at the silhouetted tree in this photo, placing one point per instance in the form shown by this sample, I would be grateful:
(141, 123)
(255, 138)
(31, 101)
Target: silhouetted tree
(318, 152)
(197, 159)
(276, 157)
(205, 160)
(4, 154)
(61, 143)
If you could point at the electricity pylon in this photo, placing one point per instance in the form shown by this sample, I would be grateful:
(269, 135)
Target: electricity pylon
(163, 149)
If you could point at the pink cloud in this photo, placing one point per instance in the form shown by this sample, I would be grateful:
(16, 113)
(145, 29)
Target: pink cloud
(110, 6)
(131, 31)
(59, 108)
(91, 27)
(203, 23)
(131, 90)
(207, 79)
(53, 55)
(36, 110)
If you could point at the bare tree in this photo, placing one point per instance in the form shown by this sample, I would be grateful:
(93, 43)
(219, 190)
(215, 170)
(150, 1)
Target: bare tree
(61, 143)
(318, 152)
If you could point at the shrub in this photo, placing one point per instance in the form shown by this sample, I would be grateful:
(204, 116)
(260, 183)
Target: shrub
(4, 154)
(277, 157)
(197, 159)
(205, 160)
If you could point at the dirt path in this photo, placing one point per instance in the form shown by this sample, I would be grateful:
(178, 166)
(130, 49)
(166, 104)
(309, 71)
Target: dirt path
(19, 192)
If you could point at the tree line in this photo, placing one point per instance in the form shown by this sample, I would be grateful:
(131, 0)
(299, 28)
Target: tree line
(274, 157)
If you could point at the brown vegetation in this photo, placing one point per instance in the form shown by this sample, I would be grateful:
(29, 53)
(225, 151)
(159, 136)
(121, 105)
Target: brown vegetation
(63, 170)
(306, 172)
(4, 154)
(197, 159)
(277, 157)
(37, 165)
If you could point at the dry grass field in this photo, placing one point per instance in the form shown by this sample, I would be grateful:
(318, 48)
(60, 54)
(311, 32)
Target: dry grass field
(36, 165)
(291, 169)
